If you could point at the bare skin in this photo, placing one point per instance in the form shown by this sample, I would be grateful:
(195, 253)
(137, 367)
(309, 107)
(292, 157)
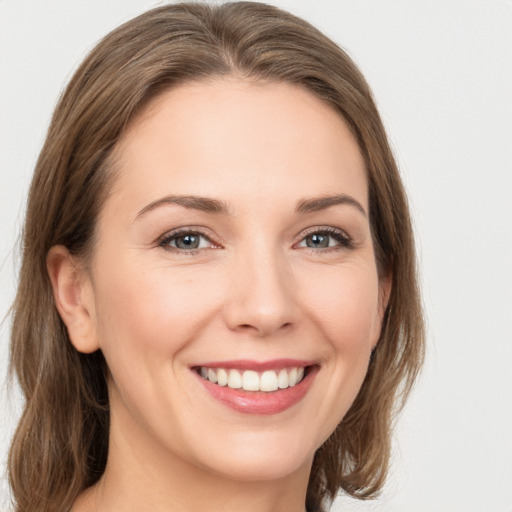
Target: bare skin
(217, 243)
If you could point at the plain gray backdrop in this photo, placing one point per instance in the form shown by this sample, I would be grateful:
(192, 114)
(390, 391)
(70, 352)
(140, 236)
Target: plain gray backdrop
(441, 71)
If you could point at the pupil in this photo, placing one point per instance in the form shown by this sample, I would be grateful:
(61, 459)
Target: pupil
(187, 242)
(317, 240)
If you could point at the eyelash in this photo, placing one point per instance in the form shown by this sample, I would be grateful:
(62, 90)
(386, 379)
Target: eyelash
(166, 240)
(344, 241)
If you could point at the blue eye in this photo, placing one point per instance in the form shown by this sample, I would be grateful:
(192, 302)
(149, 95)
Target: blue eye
(186, 241)
(326, 239)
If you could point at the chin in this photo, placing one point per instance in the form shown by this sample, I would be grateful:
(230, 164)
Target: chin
(265, 467)
(260, 456)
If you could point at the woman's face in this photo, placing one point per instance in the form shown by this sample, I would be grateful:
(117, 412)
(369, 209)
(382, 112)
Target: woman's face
(235, 247)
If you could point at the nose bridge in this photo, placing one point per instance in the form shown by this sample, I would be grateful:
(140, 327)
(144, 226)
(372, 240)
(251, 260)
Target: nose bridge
(261, 296)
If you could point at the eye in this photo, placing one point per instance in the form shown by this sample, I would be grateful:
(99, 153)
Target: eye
(326, 238)
(186, 241)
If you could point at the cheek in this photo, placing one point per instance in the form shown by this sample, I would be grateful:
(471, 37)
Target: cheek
(344, 304)
(149, 312)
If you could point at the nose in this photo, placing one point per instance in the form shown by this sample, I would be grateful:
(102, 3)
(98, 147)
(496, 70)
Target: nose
(261, 298)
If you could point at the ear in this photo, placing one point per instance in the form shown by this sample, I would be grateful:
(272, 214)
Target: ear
(385, 285)
(74, 298)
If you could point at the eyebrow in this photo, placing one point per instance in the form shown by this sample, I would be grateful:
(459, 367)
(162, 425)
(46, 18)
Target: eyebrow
(203, 204)
(316, 204)
(215, 206)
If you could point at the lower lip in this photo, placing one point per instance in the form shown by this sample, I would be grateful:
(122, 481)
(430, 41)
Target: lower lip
(260, 402)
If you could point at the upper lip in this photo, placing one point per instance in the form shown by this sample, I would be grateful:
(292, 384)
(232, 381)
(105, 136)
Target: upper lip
(258, 366)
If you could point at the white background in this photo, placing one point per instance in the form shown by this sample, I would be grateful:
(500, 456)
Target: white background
(441, 71)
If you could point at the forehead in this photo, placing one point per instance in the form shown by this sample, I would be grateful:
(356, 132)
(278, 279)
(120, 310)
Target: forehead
(226, 136)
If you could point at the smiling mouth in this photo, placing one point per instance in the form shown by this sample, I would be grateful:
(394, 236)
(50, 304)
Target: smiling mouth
(261, 388)
(266, 381)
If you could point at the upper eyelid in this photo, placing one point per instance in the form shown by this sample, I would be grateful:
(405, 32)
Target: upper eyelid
(198, 230)
(323, 229)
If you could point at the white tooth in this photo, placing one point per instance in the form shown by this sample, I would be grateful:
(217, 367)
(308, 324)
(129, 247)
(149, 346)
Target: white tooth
(292, 377)
(234, 379)
(268, 381)
(222, 377)
(204, 372)
(300, 374)
(282, 379)
(212, 375)
(250, 381)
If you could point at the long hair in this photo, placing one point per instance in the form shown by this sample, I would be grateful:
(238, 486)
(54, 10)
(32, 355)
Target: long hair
(61, 443)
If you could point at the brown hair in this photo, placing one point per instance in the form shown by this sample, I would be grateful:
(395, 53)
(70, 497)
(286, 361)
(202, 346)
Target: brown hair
(60, 446)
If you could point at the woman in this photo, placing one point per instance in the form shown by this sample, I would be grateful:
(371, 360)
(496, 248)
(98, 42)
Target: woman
(218, 306)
